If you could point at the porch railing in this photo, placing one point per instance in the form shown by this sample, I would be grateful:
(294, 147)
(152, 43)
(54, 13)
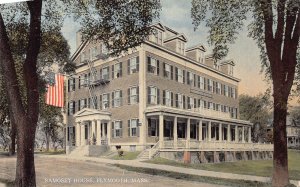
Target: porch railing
(215, 145)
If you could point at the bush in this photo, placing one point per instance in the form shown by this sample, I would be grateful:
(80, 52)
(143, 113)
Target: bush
(120, 153)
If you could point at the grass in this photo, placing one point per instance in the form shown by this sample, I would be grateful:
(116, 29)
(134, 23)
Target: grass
(252, 167)
(126, 156)
(202, 179)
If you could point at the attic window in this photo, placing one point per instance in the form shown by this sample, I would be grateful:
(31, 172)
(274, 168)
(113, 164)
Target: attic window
(158, 37)
(201, 58)
(230, 70)
(180, 47)
(216, 65)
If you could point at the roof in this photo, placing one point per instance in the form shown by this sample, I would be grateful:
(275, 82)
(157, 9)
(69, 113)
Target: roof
(180, 36)
(198, 46)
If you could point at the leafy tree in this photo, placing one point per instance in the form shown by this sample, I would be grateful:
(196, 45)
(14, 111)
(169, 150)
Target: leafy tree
(275, 26)
(120, 24)
(295, 115)
(256, 109)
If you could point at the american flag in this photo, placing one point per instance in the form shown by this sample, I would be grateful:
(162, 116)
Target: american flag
(55, 90)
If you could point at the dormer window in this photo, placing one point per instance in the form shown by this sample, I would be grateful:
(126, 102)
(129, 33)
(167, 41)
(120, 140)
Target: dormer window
(104, 49)
(180, 47)
(230, 70)
(158, 35)
(201, 58)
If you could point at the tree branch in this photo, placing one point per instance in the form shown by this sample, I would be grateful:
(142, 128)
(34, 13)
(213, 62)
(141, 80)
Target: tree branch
(280, 21)
(296, 35)
(10, 75)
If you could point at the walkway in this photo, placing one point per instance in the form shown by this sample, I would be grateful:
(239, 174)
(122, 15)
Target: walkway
(138, 163)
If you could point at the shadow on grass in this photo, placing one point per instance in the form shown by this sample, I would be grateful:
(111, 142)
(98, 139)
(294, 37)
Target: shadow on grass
(8, 183)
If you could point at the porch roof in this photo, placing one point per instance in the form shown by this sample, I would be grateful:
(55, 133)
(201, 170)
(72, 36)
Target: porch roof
(88, 114)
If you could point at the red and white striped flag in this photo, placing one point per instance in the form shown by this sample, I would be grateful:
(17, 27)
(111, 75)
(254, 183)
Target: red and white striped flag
(55, 91)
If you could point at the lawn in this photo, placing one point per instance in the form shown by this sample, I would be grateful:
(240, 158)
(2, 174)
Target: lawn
(126, 156)
(59, 152)
(253, 167)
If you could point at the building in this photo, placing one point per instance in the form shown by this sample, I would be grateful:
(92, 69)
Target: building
(159, 98)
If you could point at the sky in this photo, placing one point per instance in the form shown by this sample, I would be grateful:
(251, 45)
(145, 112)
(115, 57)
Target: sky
(176, 15)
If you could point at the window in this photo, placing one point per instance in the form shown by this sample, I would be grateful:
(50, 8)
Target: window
(104, 73)
(209, 105)
(209, 85)
(117, 129)
(217, 107)
(153, 66)
(201, 58)
(105, 101)
(133, 95)
(153, 95)
(180, 47)
(202, 104)
(132, 127)
(71, 107)
(190, 78)
(218, 88)
(82, 103)
(226, 92)
(190, 103)
(82, 57)
(168, 71)
(133, 65)
(152, 127)
(117, 70)
(116, 98)
(71, 84)
(94, 53)
(230, 70)
(167, 98)
(84, 80)
(104, 49)
(234, 93)
(179, 75)
(201, 82)
(179, 100)
(93, 102)
(158, 35)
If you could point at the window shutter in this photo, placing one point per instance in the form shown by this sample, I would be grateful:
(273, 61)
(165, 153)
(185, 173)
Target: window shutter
(164, 70)
(68, 85)
(149, 127)
(188, 74)
(198, 81)
(100, 73)
(183, 76)
(138, 94)
(73, 84)
(112, 71)
(214, 87)
(176, 101)
(171, 72)
(108, 100)
(73, 107)
(172, 99)
(85, 102)
(176, 74)
(121, 129)
(158, 98)
(195, 103)
(108, 72)
(149, 95)
(79, 82)
(128, 66)
(100, 102)
(137, 63)
(199, 103)
(164, 97)
(68, 108)
(149, 64)
(112, 129)
(78, 107)
(195, 80)
(204, 80)
(121, 98)
(138, 128)
(128, 98)
(128, 127)
(112, 99)
(183, 99)
(121, 69)
(157, 68)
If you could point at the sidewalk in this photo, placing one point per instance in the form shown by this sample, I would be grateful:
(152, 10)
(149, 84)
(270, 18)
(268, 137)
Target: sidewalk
(198, 172)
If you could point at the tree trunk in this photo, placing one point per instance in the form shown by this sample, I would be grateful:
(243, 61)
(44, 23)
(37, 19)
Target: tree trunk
(13, 139)
(25, 171)
(47, 140)
(280, 155)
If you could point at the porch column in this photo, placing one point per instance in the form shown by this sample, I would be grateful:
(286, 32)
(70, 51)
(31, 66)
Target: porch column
(200, 130)
(108, 132)
(220, 132)
(94, 134)
(78, 134)
(161, 130)
(228, 133)
(98, 124)
(243, 134)
(236, 134)
(188, 132)
(209, 131)
(175, 131)
(82, 133)
(249, 135)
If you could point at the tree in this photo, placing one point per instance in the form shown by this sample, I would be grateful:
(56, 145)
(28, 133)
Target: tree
(120, 24)
(275, 25)
(256, 109)
(295, 115)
